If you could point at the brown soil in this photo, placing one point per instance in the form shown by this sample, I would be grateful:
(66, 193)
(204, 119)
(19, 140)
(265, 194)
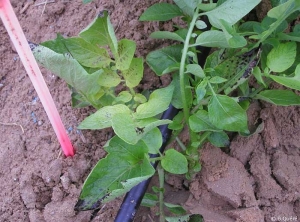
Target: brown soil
(258, 180)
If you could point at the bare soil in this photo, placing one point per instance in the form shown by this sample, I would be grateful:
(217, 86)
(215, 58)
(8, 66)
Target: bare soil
(256, 179)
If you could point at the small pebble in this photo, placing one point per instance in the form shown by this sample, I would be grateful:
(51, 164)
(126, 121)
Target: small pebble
(65, 181)
(70, 129)
(35, 99)
(40, 123)
(33, 117)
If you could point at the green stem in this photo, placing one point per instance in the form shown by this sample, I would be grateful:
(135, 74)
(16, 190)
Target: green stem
(212, 90)
(132, 91)
(186, 111)
(204, 137)
(260, 88)
(161, 177)
(182, 146)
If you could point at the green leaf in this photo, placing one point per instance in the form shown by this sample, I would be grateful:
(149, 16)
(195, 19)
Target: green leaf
(149, 200)
(140, 98)
(102, 118)
(166, 35)
(201, 90)
(267, 22)
(201, 25)
(161, 12)
(248, 26)
(199, 122)
(153, 140)
(291, 82)
(187, 6)
(108, 78)
(67, 68)
(124, 127)
(124, 167)
(219, 139)
(126, 49)
(134, 74)
(175, 209)
(160, 60)
(177, 123)
(86, 1)
(258, 76)
(231, 11)
(217, 80)
(292, 36)
(185, 218)
(275, 3)
(195, 69)
(282, 57)
(146, 125)
(225, 113)
(212, 38)
(233, 38)
(279, 97)
(182, 32)
(196, 218)
(174, 162)
(296, 28)
(178, 218)
(284, 9)
(123, 97)
(107, 99)
(177, 99)
(57, 45)
(100, 32)
(78, 101)
(207, 7)
(172, 68)
(158, 102)
(280, 13)
(237, 41)
(87, 54)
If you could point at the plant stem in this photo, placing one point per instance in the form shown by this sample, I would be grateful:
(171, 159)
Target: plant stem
(260, 88)
(212, 89)
(18, 38)
(204, 137)
(182, 146)
(161, 177)
(186, 111)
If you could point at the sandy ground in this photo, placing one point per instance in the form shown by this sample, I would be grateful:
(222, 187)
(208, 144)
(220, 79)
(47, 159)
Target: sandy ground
(255, 179)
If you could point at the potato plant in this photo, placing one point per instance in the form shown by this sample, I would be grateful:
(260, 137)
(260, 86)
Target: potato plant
(214, 99)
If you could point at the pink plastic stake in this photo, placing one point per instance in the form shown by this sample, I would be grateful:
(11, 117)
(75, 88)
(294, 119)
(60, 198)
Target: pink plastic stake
(18, 38)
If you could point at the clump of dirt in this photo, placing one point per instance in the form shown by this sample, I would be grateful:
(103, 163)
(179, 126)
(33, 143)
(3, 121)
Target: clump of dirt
(259, 179)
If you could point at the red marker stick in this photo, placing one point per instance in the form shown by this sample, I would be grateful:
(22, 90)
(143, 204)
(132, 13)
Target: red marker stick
(18, 38)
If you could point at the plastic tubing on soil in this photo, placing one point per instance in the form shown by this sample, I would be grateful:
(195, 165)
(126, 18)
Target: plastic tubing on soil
(18, 38)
